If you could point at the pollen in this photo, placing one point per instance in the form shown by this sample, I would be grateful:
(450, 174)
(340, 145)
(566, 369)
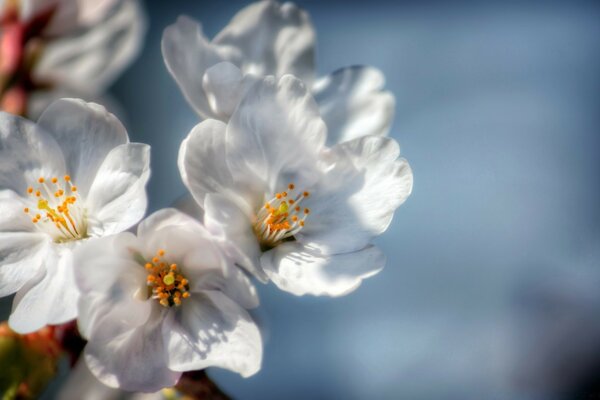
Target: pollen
(166, 284)
(281, 217)
(59, 211)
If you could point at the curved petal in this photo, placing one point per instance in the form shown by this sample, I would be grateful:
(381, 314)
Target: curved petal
(272, 39)
(187, 55)
(50, 300)
(86, 133)
(12, 217)
(210, 330)
(133, 360)
(226, 220)
(353, 103)
(276, 130)
(203, 165)
(26, 153)
(225, 85)
(21, 256)
(357, 198)
(117, 198)
(91, 58)
(300, 270)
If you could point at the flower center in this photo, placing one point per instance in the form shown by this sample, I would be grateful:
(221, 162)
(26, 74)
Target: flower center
(57, 209)
(281, 217)
(165, 283)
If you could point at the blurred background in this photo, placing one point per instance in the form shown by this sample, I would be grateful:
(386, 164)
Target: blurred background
(492, 285)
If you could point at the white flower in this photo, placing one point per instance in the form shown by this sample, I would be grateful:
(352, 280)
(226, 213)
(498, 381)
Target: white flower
(164, 302)
(70, 178)
(268, 184)
(57, 48)
(268, 38)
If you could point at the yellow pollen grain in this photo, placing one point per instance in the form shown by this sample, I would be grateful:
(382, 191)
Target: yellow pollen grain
(169, 279)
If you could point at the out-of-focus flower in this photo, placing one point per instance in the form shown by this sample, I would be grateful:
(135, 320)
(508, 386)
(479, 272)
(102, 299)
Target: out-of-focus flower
(268, 184)
(28, 362)
(70, 178)
(164, 302)
(55, 48)
(268, 38)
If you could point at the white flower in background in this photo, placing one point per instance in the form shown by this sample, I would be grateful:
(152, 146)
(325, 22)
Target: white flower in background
(164, 302)
(69, 179)
(56, 48)
(268, 38)
(268, 184)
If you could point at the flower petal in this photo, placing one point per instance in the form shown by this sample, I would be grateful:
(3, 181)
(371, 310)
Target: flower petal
(300, 270)
(272, 39)
(86, 133)
(51, 299)
(133, 360)
(202, 162)
(353, 103)
(225, 86)
(225, 219)
(356, 199)
(188, 54)
(21, 256)
(117, 198)
(276, 130)
(210, 330)
(13, 218)
(92, 58)
(26, 153)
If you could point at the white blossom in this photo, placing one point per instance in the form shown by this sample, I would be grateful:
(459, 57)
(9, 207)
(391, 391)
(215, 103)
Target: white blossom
(268, 38)
(298, 212)
(165, 301)
(71, 178)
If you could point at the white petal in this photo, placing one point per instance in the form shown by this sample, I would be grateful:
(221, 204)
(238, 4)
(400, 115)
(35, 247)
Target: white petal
(225, 219)
(90, 59)
(210, 330)
(64, 16)
(26, 153)
(188, 205)
(202, 162)
(133, 360)
(21, 256)
(188, 54)
(117, 199)
(165, 219)
(50, 300)
(272, 39)
(82, 384)
(300, 270)
(353, 103)
(225, 86)
(13, 218)
(276, 130)
(86, 133)
(357, 198)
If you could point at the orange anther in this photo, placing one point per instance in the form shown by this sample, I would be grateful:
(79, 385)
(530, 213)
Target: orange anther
(306, 194)
(306, 211)
(73, 188)
(67, 178)
(161, 253)
(54, 180)
(186, 295)
(148, 266)
(173, 267)
(291, 186)
(29, 190)
(38, 193)
(155, 260)
(26, 209)
(41, 180)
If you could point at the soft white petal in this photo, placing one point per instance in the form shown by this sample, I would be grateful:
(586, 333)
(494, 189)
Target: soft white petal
(210, 330)
(225, 85)
(21, 256)
(117, 198)
(357, 198)
(49, 300)
(188, 205)
(353, 103)
(301, 270)
(226, 220)
(188, 54)
(167, 218)
(90, 59)
(26, 153)
(133, 360)
(13, 218)
(202, 162)
(82, 384)
(86, 133)
(272, 39)
(276, 130)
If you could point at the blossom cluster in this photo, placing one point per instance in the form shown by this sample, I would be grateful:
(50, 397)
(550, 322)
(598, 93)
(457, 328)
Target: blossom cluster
(290, 177)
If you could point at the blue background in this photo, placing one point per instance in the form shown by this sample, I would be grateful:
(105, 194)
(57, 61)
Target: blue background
(492, 286)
